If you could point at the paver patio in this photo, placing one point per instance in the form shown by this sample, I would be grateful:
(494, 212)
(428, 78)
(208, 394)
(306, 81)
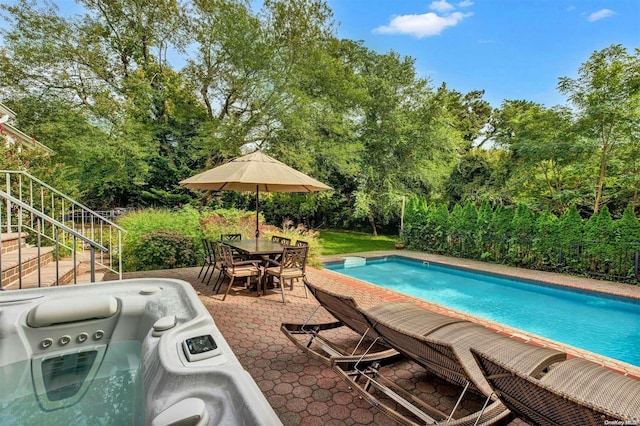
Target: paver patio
(301, 390)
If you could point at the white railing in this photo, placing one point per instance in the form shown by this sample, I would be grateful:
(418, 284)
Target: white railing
(43, 205)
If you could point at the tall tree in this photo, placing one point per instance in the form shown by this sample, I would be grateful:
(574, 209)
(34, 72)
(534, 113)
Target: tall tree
(408, 146)
(109, 64)
(546, 158)
(605, 95)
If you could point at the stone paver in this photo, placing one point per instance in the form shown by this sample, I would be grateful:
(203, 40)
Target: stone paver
(303, 391)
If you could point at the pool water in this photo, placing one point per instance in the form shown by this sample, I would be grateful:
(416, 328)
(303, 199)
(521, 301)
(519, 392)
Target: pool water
(113, 397)
(607, 325)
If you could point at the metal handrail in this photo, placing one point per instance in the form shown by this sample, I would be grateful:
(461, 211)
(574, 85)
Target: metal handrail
(52, 221)
(41, 217)
(56, 205)
(52, 189)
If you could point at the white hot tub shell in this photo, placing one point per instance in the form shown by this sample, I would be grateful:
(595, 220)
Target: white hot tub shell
(190, 375)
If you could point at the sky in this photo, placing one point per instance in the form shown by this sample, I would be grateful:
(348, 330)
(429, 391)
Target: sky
(512, 49)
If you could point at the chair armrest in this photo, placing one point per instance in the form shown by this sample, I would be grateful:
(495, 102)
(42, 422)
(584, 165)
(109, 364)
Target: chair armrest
(246, 262)
(271, 262)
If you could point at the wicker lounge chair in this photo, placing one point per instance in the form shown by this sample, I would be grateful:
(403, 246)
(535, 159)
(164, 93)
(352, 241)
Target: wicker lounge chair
(446, 353)
(346, 311)
(575, 392)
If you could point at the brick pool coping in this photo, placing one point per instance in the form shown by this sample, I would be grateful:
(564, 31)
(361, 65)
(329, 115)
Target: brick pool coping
(601, 286)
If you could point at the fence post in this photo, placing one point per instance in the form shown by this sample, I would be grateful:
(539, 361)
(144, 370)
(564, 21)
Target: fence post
(8, 179)
(560, 260)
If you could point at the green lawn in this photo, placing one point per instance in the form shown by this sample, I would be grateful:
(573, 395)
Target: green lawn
(338, 242)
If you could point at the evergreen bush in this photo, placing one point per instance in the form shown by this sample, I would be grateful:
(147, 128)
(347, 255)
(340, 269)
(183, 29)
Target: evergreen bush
(602, 247)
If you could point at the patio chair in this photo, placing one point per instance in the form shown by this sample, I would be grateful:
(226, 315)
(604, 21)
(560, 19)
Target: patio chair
(291, 265)
(574, 392)
(446, 353)
(207, 259)
(237, 268)
(284, 241)
(218, 264)
(230, 237)
(300, 243)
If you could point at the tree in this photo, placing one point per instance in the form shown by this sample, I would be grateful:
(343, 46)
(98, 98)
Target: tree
(408, 147)
(605, 95)
(545, 156)
(546, 239)
(109, 65)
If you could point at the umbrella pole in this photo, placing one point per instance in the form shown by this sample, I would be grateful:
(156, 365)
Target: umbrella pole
(257, 211)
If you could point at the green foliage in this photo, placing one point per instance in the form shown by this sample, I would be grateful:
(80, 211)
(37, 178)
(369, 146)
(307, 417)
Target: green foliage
(299, 233)
(627, 228)
(601, 247)
(228, 221)
(572, 228)
(151, 230)
(163, 249)
(127, 125)
(546, 239)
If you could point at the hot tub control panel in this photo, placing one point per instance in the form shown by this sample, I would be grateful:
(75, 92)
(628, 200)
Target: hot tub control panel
(201, 347)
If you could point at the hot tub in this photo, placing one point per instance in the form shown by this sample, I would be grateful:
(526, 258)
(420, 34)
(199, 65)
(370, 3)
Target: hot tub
(142, 351)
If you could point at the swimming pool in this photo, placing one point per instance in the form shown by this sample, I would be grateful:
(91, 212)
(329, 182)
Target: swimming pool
(607, 325)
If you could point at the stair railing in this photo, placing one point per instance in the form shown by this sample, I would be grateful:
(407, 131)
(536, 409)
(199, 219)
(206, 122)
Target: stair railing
(43, 198)
(71, 240)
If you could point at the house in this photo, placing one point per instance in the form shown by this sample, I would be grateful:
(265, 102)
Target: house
(14, 136)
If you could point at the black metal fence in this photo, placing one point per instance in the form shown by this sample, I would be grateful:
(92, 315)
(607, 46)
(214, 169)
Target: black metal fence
(614, 261)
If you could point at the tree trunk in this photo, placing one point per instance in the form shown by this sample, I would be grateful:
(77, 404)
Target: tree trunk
(373, 224)
(601, 178)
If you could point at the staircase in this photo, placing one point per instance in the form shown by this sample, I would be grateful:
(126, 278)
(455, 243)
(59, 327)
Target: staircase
(36, 266)
(48, 239)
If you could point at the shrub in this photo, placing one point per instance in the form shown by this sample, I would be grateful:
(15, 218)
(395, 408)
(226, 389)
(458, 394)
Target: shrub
(141, 224)
(228, 221)
(163, 249)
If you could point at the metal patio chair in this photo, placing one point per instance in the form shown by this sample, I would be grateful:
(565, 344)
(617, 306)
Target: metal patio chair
(291, 265)
(238, 268)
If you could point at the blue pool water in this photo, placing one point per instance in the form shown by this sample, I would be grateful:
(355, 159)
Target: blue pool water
(603, 324)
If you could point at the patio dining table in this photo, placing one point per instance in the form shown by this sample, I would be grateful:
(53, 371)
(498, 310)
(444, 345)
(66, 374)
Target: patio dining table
(256, 248)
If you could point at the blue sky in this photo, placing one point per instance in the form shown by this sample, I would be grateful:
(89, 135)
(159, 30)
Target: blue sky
(513, 49)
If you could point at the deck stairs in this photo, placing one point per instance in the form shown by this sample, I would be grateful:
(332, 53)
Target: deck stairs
(47, 239)
(36, 266)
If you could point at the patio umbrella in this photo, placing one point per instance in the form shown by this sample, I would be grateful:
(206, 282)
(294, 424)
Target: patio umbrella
(254, 172)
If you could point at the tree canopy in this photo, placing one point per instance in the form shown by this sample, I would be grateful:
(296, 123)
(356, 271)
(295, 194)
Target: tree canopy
(134, 96)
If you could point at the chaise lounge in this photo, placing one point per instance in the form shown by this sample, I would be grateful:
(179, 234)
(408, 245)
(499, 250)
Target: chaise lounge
(445, 352)
(318, 341)
(575, 392)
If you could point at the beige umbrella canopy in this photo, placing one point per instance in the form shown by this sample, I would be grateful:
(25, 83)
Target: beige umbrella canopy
(254, 172)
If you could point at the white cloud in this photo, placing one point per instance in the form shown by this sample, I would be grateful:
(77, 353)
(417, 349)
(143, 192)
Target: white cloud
(425, 25)
(441, 6)
(571, 8)
(601, 14)
(465, 3)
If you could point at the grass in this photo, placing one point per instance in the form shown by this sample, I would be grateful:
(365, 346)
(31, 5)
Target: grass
(339, 242)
